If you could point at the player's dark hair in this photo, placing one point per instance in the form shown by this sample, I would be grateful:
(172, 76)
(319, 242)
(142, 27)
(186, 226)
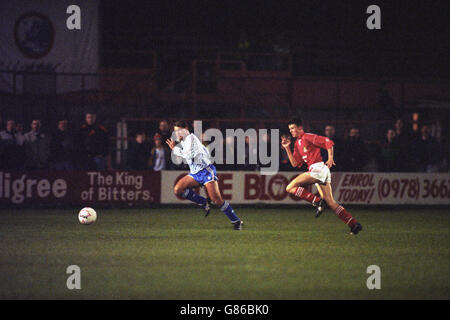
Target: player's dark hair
(297, 121)
(181, 124)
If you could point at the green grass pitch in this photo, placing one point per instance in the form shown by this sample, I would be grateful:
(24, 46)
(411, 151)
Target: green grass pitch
(175, 253)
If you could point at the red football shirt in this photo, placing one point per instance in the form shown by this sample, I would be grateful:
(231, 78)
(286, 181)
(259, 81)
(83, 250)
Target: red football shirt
(307, 148)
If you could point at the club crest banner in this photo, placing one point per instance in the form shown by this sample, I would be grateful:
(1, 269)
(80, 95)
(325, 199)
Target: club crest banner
(36, 42)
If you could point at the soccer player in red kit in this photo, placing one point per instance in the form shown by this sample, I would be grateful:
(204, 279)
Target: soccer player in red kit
(307, 150)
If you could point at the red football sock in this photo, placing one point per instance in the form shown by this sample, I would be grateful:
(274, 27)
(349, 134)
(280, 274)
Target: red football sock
(304, 194)
(345, 216)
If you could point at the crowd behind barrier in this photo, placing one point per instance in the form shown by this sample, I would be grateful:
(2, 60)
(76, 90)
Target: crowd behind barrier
(88, 147)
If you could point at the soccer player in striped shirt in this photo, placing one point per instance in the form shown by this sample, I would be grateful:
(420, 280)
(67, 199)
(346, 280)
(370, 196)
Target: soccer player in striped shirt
(202, 173)
(307, 150)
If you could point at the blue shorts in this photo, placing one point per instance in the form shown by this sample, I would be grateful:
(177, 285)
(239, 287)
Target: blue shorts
(205, 175)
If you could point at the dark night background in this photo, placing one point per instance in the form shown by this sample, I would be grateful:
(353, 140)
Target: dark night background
(413, 41)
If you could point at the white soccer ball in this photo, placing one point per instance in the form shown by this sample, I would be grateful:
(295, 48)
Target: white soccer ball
(87, 216)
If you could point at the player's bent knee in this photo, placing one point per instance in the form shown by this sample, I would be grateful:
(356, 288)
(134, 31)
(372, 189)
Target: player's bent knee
(177, 190)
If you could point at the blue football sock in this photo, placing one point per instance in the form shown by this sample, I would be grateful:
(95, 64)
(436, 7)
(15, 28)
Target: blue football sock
(194, 197)
(228, 210)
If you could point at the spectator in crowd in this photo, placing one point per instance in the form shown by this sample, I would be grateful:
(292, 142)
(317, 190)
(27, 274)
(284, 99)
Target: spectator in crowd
(36, 146)
(138, 153)
(355, 152)
(230, 150)
(20, 137)
(330, 133)
(251, 152)
(232, 155)
(428, 152)
(9, 149)
(390, 153)
(164, 130)
(160, 154)
(93, 143)
(20, 140)
(10, 130)
(61, 147)
(401, 134)
(404, 140)
(285, 165)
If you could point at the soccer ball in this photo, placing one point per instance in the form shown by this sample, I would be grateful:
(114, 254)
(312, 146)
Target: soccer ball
(87, 216)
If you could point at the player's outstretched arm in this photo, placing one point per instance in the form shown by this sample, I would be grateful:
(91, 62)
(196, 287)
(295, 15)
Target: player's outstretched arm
(330, 161)
(286, 145)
